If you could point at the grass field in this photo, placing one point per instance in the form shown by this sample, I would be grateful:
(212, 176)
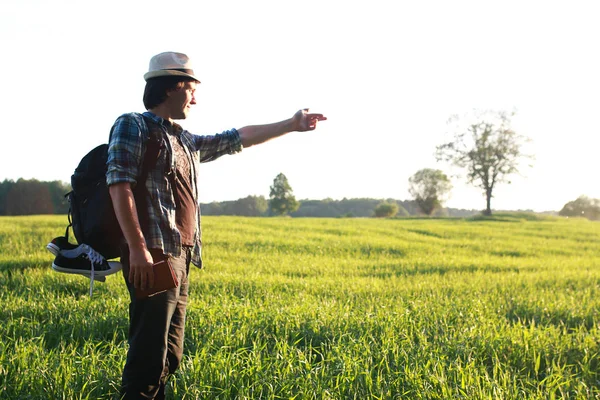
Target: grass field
(499, 308)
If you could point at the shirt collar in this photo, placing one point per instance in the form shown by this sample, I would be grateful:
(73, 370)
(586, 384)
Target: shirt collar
(172, 127)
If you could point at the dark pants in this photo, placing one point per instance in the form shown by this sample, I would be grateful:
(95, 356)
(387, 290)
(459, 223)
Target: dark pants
(156, 329)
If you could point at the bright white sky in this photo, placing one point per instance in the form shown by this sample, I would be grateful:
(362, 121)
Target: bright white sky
(387, 74)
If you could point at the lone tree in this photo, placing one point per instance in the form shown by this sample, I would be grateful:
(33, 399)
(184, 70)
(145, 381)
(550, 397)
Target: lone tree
(488, 149)
(429, 188)
(281, 197)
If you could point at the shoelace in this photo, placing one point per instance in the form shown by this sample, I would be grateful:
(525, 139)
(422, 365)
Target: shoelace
(95, 258)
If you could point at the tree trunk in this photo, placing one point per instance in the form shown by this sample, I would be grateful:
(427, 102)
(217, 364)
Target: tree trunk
(488, 202)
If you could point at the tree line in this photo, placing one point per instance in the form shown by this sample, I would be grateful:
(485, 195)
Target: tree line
(34, 197)
(482, 145)
(30, 196)
(258, 206)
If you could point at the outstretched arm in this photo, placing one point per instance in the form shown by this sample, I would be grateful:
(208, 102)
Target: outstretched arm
(300, 122)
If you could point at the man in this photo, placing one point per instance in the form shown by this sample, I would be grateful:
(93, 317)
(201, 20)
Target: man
(167, 223)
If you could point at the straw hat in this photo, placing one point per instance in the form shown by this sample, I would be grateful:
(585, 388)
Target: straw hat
(170, 63)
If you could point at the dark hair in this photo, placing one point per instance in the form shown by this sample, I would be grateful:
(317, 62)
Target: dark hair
(157, 88)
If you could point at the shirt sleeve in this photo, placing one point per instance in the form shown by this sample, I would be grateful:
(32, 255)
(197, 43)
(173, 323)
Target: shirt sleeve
(124, 150)
(212, 147)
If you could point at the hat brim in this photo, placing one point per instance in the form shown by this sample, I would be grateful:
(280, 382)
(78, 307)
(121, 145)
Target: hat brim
(168, 72)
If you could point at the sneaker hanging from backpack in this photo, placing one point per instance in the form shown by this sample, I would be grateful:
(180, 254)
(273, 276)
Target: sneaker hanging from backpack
(84, 260)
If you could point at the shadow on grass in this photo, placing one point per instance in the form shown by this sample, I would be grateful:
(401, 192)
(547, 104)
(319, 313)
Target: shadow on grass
(65, 326)
(386, 251)
(425, 233)
(269, 335)
(424, 218)
(58, 310)
(509, 253)
(47, 284)
(24, 264)
(510, 217)
(528, 316)
(387, 271)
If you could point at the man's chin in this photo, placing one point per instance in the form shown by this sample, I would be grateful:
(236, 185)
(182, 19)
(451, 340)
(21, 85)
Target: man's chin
(181, 116)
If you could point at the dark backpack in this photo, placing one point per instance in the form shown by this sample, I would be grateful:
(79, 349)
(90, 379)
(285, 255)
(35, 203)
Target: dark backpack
(91, 212)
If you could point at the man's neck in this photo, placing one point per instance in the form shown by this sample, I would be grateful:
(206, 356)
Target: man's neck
(162, 112)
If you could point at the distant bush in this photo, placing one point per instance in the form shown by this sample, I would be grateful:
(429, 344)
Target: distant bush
(582, 207)
(386, 210)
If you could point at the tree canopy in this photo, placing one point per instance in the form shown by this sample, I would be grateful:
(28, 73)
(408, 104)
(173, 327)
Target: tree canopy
(584, 207)
(281, 197)
(485, 145)
(430, 188)
(386, 210)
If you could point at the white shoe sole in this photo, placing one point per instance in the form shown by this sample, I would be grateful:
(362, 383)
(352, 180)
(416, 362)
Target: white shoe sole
(115, 266)
(52, 248)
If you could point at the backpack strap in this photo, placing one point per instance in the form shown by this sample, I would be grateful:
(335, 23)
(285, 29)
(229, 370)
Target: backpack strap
(153, 147)
(68, 218)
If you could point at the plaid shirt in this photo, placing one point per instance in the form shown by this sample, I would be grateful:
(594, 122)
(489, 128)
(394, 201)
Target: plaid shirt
(125, 155)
